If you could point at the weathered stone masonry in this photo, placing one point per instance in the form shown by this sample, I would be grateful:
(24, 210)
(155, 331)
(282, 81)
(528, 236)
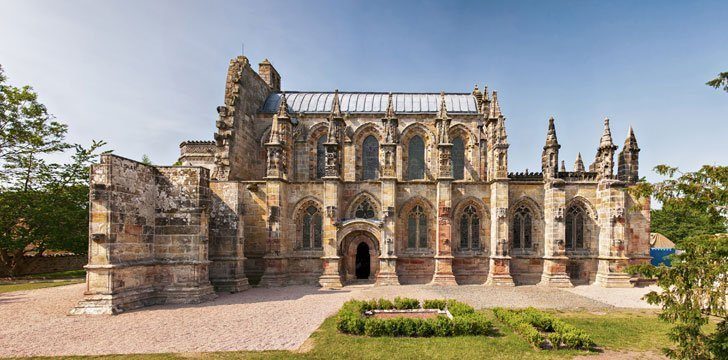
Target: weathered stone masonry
(331, 188)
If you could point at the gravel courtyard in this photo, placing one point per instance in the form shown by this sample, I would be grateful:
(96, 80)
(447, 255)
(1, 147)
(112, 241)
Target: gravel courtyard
(35, 322)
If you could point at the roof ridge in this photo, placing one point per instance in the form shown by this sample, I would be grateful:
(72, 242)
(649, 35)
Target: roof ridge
(373, 92)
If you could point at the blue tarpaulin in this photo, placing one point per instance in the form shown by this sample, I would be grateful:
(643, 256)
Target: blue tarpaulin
(660, 256)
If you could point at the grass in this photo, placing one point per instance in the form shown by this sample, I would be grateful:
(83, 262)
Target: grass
(8, 287)
(616, 330)
(58, 275)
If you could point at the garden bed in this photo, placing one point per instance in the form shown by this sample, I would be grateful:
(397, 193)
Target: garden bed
(544, 330)
(408, 318)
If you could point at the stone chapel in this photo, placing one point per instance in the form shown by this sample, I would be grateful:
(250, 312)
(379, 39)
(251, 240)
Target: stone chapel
(338, 188)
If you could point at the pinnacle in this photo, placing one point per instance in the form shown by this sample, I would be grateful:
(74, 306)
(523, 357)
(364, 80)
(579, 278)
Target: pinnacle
(335, 106)
(283, 106)
(390, 108)
(551, 140)
(606, 140)
(579, 164)
(442, 113)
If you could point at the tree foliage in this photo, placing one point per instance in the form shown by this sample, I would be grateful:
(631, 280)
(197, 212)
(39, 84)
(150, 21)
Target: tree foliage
(694, 288)
(721, 80)
(43, 205)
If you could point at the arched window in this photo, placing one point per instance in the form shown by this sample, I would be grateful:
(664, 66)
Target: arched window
(470, 229)
(311, 228)
(458, 159)
(574, 221)
(522, 228)
(417, 229)
(370, 158)
(416, 158)
(364, 210)
(320, 157)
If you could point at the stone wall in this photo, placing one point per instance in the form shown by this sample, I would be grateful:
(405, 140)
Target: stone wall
(147, 236)
(49, 264)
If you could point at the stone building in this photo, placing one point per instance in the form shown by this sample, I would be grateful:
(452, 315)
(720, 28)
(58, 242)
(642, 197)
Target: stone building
(332, 188)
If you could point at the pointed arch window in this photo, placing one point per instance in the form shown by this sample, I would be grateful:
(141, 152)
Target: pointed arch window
(364, 210)
(522, 228)
(320, 157)
(458, 159)
(574, 223)
(417, 229)
(470, 229)
(311, 228)
(370, 158)
(416, 158)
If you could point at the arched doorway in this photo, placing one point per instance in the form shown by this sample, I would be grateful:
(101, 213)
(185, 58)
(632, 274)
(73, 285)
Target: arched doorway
(360, 257)
(362, 264)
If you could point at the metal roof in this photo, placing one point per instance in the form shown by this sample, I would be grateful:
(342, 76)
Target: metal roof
(371, 102)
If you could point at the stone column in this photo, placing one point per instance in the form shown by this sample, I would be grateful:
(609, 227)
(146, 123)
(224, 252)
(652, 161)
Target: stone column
(555, 259)
(443, 233)
(611, 221)
(387, 259)
(331, 277)
(227, 270)
(276, 263)
(499, 269)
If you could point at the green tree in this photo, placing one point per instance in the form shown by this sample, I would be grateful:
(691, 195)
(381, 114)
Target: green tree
(678, 222)
(721, 80)
(43, 205)
(694, 288)
(146, 160)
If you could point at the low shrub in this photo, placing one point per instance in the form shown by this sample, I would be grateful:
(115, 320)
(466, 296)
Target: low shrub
(406, 303)
(465, 321)
(532, 324)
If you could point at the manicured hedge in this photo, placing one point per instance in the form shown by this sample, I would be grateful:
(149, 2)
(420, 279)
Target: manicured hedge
(544, 330)
(465, 321)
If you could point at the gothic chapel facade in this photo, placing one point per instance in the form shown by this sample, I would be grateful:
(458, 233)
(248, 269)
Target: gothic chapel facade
(334, 188)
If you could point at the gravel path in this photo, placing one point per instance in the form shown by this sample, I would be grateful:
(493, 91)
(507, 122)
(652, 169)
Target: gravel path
(617, 297)
(35, 322)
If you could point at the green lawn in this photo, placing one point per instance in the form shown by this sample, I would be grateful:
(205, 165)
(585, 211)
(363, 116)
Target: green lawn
(8, 287)
(615, 330)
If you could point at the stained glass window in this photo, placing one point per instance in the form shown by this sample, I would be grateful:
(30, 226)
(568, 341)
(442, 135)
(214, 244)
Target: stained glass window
(575, 217)
(320, 157)
(370, 158)
(469, 229)
(416, 159)
(312, 228)
(458, 159)
(364, 210)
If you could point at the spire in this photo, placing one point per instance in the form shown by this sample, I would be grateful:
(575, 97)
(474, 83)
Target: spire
(579, 164)
(495, 110)
(390, 108)
(485, 104)
(631, 141)
(283, 107)
(606, 140)
(478, 97)
(551, 141)
(501, 135)
(563, 166)
(275, 135)
(335, 107)
(442, 113)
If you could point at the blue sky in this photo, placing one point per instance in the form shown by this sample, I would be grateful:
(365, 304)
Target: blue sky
(146, 75)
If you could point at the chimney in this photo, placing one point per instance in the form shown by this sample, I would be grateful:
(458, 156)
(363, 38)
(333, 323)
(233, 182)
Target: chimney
(268, 73)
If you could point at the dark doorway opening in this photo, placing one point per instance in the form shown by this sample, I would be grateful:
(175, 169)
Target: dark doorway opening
(362, 261)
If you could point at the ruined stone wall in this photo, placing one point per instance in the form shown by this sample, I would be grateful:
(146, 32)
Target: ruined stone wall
(148, 236)
(245, 93)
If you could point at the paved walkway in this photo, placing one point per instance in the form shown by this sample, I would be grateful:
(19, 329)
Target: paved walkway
(35, 322)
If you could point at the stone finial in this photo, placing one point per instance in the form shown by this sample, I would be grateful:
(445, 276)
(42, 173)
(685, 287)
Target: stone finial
(335, 106)
(390, 108)
(478, 97)
(563, 166)
(495, 110)
(476, 91)
(275, 134)
(283, 107)
(579, 164)
(606, 140)
(501, 136)
(442, 112)
(551, 140)
(631, 141)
